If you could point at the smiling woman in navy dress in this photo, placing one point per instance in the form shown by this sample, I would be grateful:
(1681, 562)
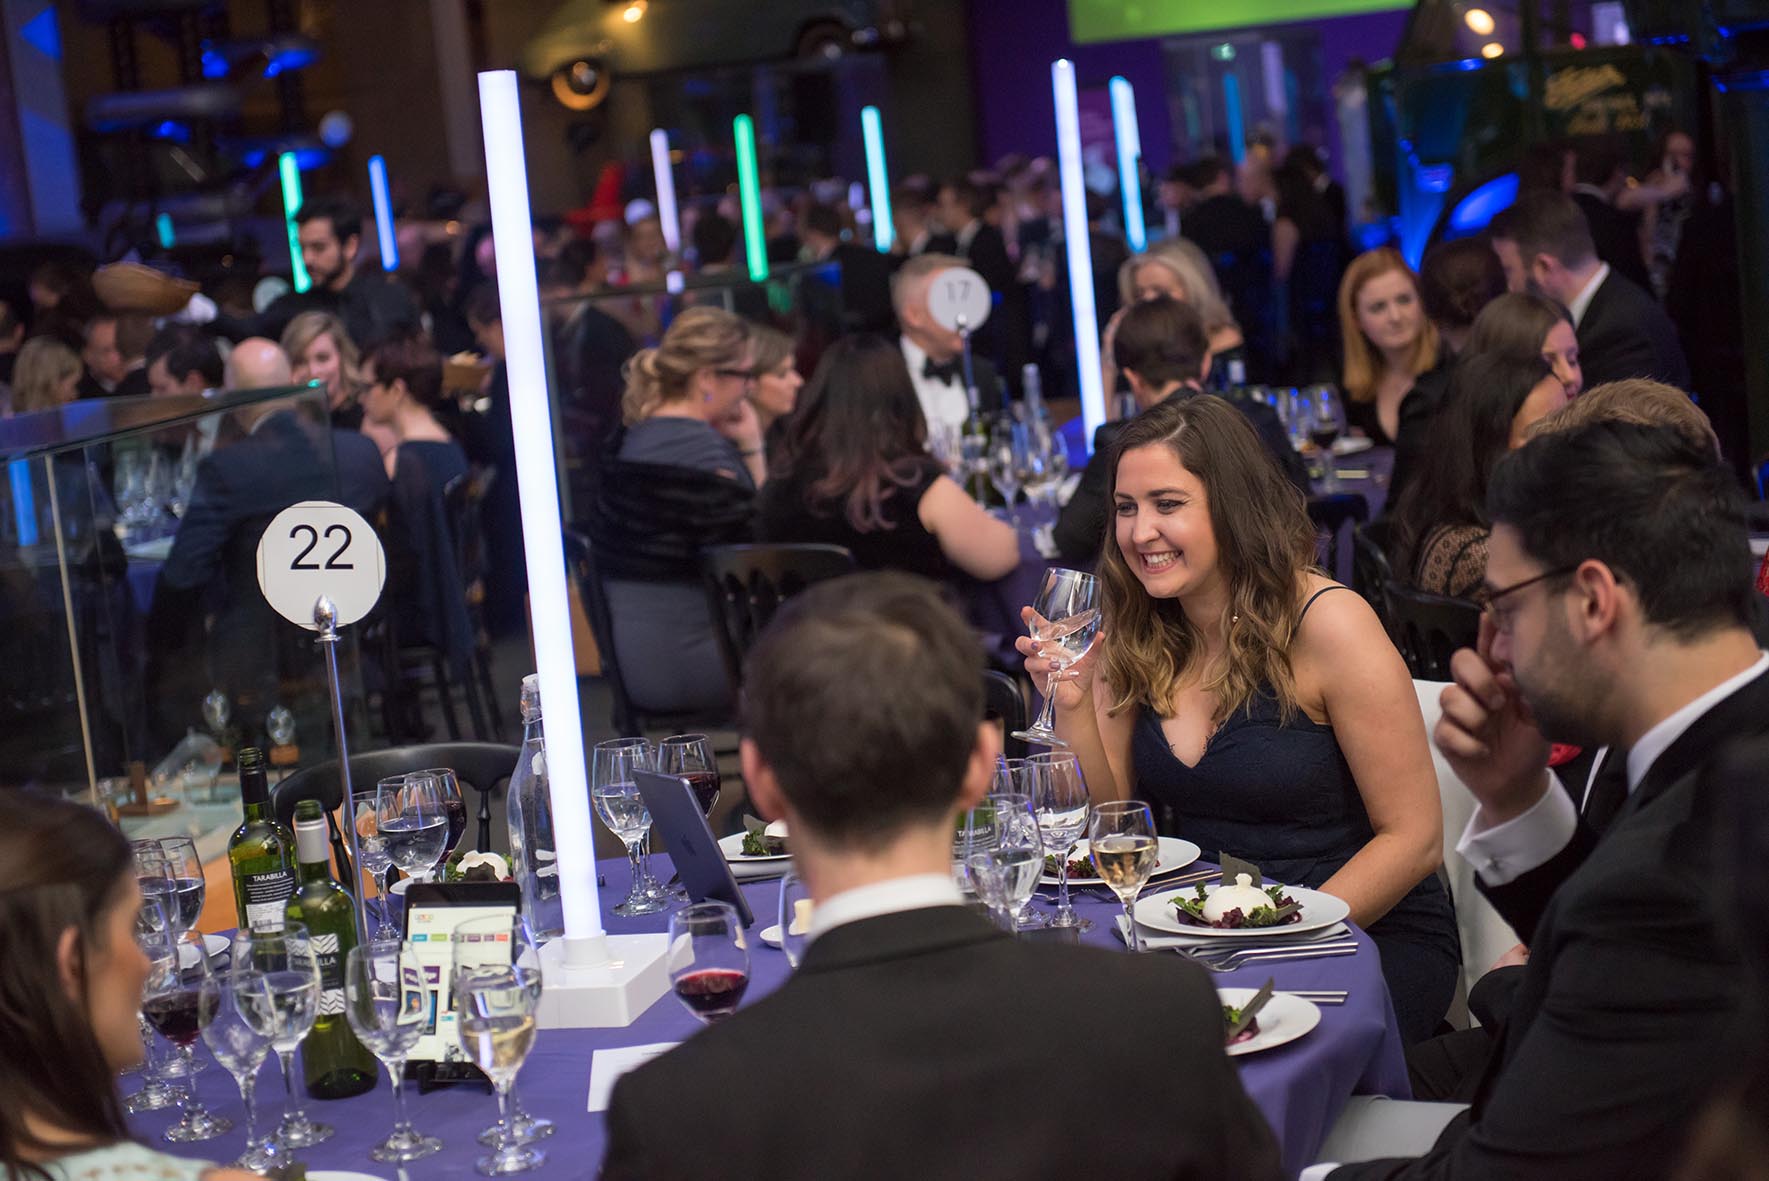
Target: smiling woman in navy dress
(1258, 706)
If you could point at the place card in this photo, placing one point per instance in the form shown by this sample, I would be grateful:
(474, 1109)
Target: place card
(606, 1067)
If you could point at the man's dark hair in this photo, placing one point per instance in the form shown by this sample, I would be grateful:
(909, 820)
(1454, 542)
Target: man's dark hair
(482, 306)
(1204, 172)
(1552, 224)
(976, 198)
(9, 321)
(1161, 340)
(1659, 509)
(187, 350)
(715, 238)
(1458, 279)
(1596, 161)
(907, 196)
(823, 219)
(344, 214)
(824, 701)
(1503, 225)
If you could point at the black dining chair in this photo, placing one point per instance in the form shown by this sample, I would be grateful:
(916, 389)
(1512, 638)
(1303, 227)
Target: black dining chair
(745, 585)
(630, 719)
(1370, 569)
(481, 767)
(1331, 514)
(1429, 628)
(1004, 697)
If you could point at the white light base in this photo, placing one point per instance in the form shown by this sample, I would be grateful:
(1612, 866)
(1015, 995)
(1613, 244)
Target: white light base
(613, 993)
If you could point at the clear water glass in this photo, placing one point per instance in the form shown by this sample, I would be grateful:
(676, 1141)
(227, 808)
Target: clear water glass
(1065, 620)
(387, 1003)
(241, 1046)
(1060, 801)
(284, 1011)
(615, 793)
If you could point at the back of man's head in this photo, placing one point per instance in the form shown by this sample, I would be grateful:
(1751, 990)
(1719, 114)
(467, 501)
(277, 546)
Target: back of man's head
(823, 220)
(186, 349)
(1553, 224)
(1596, 162)
(864, 697)
(1638, 400)
(257, 364)
(715, 238)
(1161, 341)
(1204, 172)
(1650, 503)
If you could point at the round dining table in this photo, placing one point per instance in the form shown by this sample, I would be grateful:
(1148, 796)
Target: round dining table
(1300, 1086)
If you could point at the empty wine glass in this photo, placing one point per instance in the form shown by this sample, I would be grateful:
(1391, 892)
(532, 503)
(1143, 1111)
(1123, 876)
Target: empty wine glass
(184, 869)
(411, 818)
(179, 1002)
(240, 1043)
(1012, 776)
(371, 847)
(387, 1004)
(290, 1007)
(217, 712)
(1065, 619)
(496, 982)
(795, 915)
(1007, 460)
(1121, 840)
(708, 959)
(620, 806)
(279, 725)
(1059, 799)
(1006, 861)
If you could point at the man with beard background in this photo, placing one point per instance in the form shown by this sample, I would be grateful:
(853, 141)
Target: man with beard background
(1616, 612)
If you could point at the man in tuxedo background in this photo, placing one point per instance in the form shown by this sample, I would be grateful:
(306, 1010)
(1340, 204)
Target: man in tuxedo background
(1618, 610)
(1622, 330)
(901, 1045)
(865, 273)
(970, 211)
(916, 230)
(935, 353)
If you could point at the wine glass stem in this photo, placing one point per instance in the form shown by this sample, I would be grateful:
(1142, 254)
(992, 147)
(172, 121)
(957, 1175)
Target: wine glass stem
(1047, 715)
(506, 1132)
(187, 1094)
(395, 1069)
(1130, 923)
(637, 859)
(249, 1097)
(1062, 881)
(292, 1111)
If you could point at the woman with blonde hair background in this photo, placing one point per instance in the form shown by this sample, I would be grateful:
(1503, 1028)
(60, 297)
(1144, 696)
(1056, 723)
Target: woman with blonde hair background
(1259, 712)
(45, 376)
(682, 475)
(1176, 269)
(1388, 340)
(320, 349)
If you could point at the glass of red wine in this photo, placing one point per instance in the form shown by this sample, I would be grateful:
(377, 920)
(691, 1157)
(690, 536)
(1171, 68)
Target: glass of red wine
(691, 757)
(454, 803)
(708, 959)
(1325, 424)
(179, 1002)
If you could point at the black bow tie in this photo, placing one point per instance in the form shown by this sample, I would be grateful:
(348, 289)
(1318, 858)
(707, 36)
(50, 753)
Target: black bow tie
(936, 371)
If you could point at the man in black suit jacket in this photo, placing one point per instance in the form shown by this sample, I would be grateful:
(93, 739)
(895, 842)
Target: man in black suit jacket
(865, 273)
(965, 208)
(1622, 330)
(935, 353)
(1618, 613)
(904, 1045)
(1161, 348)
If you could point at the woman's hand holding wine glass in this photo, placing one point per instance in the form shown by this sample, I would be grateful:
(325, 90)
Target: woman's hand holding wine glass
(1065, 626)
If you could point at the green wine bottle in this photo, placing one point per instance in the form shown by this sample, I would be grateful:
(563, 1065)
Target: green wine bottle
(335, 1064)
(975, 448)
(261, 852)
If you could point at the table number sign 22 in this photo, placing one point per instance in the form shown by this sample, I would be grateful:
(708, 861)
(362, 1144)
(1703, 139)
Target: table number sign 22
(319, 548)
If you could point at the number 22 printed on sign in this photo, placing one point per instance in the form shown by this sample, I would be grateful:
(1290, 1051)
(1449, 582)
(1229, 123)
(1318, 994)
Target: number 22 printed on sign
(320, 549)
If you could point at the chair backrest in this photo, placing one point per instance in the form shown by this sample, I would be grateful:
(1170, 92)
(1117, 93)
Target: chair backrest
(1331, 514)
(1370, 569)
(1484, 935)
(479, 766)
(1429, 628)
(463, 498)
(745, 585)
(1005, 698)
(580, 563)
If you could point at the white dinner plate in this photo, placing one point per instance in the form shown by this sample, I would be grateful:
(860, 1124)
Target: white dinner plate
(1351, 445)
(732, 847)
(1318, 911)
(1283, 1019)
(1173, 854)
(340, 1175)
(213, 945)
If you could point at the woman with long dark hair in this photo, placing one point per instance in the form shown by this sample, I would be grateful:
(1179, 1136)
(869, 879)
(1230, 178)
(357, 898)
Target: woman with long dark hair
(71, 978)
(1440, 525)
(1259, 712)
(853, 470)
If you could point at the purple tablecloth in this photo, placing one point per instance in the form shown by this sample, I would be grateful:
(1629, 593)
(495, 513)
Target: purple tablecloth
(1300, 1087)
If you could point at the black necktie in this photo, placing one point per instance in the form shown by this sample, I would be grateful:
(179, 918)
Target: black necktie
(1609, 790)
(936, 371)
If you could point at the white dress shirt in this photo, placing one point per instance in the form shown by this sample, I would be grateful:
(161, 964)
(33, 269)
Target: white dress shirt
(1507, 851)
(943, 403)
(916, 892)
(1581, 301)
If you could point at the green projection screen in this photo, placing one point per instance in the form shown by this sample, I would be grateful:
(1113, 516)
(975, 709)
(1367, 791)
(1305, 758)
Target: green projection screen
(1125, 20)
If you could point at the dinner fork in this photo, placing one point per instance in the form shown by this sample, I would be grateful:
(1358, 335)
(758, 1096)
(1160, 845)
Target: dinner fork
(1229, 961)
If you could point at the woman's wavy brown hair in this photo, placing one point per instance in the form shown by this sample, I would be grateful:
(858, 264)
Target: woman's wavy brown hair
(1265, 547)
(61, 867)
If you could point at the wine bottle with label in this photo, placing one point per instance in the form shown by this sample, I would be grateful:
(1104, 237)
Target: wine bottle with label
(261, 852)
(335, 1064)
(974, 446)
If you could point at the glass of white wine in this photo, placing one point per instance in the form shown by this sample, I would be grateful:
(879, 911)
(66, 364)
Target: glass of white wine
(1121, 840)
(496, 980)
(1065, 621)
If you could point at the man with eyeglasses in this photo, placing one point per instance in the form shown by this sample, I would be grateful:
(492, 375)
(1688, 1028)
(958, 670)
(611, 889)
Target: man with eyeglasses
(1616, 612)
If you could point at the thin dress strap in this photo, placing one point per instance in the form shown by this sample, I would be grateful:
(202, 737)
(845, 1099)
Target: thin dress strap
(1316, 595)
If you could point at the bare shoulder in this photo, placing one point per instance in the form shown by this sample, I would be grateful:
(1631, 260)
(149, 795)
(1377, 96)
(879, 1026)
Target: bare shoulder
(1339, 623)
